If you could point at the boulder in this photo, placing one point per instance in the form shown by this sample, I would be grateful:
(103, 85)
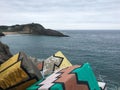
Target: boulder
(4, 52)
(1, 34)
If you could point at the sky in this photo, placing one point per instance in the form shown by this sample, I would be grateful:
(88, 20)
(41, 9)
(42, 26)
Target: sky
(62, 14)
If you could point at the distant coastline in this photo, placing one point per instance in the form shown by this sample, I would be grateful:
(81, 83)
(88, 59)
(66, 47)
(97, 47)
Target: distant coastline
(32, 28)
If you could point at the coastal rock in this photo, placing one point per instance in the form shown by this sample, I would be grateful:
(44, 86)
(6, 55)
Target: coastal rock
(1, 34)
(4, 52)
(33, 28)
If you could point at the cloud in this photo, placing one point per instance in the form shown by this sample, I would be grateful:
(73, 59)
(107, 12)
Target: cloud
(62, 5)
(59, 12)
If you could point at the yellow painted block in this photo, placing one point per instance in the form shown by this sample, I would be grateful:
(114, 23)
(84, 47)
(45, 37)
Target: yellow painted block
(65, 63)
(12, 76)
(9, 62)
(18, 70)
(24, 85)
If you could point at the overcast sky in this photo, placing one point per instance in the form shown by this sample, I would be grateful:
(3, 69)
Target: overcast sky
(62, 14)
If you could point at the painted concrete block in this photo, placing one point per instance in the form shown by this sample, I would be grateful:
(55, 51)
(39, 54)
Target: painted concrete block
(55, 62)
(70, 78)
(17, 70)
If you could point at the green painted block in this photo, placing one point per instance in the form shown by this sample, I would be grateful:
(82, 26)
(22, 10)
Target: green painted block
(85, 74)
(57, 86)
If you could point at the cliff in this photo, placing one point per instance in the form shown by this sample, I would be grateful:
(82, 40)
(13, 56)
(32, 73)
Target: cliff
(4, 52)
(33, 28)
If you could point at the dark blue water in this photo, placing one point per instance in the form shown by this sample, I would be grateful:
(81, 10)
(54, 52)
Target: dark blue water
(100, 48)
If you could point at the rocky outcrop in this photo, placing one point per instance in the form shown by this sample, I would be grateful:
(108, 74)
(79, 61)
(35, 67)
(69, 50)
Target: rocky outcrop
(4, 52)
(33, 28)
(1, 34)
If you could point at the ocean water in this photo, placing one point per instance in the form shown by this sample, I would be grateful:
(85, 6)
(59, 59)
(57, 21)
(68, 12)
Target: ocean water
(99, 48)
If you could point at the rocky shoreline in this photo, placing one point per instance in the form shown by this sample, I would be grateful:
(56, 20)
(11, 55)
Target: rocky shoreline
(4, 52)
(2, 34)
(32, 28)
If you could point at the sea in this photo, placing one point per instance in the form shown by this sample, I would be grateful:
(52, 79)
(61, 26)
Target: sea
(99, 48)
